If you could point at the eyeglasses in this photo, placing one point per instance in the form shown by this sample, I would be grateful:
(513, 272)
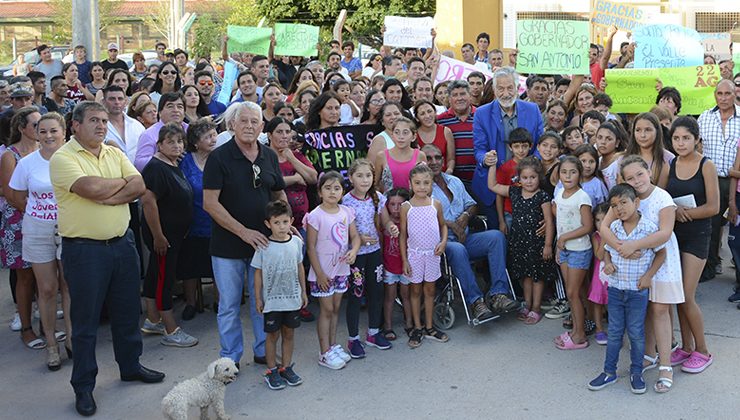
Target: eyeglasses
(377, 101)
(256, 180)
(205, 83)
(434, 157)
(168, 72)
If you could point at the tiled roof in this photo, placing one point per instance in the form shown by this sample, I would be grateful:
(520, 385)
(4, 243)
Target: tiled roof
(41, 9)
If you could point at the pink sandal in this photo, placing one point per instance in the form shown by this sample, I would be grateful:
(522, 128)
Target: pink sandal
(568, 344)
(559, 340)
(522, 314)
(532, 318)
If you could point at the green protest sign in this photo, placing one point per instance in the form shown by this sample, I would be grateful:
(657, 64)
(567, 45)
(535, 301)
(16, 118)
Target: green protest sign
(696, 85)
(248, 39)
(633, 90)
(552, 46)
(296, 39)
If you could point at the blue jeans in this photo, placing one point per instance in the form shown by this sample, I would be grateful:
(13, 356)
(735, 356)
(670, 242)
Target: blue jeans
(100, 274)
(490, 244)
(229, 275)
(627, 309)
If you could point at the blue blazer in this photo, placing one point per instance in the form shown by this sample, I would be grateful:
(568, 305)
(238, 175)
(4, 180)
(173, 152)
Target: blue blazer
(488, 134)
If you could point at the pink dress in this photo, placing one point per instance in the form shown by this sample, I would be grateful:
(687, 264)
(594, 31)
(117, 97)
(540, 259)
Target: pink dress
(400, 170)
(598, 292)
(423, 236)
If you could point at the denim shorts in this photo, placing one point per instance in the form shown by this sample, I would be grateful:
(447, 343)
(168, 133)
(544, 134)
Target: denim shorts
(577, 259)
(391, 278)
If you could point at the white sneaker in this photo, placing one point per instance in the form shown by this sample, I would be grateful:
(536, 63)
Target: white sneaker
(339, 351)
(331, 360)
(60, 314)
(179, 338)
(150, 327)
(15, 324)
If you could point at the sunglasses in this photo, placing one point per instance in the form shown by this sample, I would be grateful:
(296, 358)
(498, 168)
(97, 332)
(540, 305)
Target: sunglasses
(168, 72)
(205, 83)
(737, 84)
(378, 58)
(256, 180)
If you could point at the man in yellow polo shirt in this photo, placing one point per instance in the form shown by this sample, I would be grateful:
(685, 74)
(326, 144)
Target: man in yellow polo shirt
(93, 184)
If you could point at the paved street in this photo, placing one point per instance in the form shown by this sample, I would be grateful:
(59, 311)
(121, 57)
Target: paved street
(502, 369)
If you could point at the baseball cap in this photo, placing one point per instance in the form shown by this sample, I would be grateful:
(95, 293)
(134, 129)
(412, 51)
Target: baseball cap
(112, 46)
(20, 90)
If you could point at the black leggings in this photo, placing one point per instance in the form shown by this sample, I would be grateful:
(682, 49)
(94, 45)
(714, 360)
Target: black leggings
(369, 265)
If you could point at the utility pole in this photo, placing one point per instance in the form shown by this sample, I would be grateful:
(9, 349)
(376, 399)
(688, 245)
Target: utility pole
(177, 9)
(86, 26)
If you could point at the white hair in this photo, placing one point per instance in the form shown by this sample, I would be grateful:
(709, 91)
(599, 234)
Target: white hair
(506, 72)
(235, 110)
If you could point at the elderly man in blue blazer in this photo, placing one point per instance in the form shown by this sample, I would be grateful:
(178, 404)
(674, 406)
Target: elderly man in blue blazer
(492, 125)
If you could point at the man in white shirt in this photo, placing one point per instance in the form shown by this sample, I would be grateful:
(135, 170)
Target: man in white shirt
(123, 131)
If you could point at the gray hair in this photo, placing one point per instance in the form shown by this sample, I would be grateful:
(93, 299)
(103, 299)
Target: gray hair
(235, 110)
(458, 84)
(314, 63)
(505, 72)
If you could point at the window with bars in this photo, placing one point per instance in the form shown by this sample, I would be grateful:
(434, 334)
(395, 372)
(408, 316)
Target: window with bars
(718, 21)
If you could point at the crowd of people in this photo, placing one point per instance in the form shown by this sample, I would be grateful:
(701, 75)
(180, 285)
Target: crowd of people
(121, 182)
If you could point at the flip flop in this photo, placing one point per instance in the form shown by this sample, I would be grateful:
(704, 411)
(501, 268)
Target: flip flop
(36, 344)
(390, 335)
(569, 344)
(60, 336)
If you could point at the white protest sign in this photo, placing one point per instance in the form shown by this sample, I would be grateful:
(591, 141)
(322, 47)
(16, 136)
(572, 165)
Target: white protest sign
(408, 32)
(451, 69)
(717, 45)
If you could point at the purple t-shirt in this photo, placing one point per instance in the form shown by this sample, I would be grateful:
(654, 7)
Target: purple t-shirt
(365, 211)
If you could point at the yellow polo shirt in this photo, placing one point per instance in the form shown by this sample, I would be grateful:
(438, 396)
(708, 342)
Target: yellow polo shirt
(80, 217)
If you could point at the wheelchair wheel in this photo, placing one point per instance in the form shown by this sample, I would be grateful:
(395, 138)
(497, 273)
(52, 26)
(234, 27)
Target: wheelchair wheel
(444, 316)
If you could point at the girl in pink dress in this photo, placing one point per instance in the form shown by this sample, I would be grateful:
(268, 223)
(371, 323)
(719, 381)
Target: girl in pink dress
(597, 293)
(423, 240)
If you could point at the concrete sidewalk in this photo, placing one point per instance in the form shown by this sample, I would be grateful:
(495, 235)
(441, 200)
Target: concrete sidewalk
(502, 369)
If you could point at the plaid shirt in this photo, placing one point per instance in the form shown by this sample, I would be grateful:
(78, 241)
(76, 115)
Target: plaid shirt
(629, 271)
(720, 143)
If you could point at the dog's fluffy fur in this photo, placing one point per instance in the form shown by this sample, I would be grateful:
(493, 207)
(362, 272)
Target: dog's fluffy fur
(203, 391)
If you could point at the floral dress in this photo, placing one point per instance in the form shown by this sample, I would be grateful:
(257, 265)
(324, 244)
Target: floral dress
(525, 247)
(11, 221)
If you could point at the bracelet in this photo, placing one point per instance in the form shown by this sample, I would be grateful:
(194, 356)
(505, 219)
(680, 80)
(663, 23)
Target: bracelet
(466, 213)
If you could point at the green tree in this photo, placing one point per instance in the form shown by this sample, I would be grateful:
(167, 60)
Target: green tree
(241, 12)
(206, 36)
(62, 18)
(365, 17)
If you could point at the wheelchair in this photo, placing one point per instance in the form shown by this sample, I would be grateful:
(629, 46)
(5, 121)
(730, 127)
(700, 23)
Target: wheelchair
(444, 314)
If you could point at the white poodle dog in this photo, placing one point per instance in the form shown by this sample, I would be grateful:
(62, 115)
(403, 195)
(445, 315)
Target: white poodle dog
(205, 390)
